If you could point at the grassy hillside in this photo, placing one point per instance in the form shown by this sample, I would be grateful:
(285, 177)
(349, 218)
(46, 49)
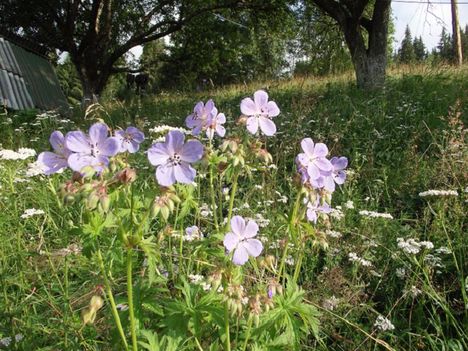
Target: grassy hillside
(355, 274)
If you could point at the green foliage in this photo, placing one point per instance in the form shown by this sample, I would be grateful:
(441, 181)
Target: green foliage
(69, 81)
(228, 46)
(400, 142)
(406, 53)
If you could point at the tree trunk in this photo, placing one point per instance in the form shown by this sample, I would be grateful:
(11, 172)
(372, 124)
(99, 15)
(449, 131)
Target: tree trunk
(368, 51)
(93, 80)
(370, 69)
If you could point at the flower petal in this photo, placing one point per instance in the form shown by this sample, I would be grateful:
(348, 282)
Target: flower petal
(191, 151)
(136, 134)
(308, 147)
(248, 107)
(252, 125)
(230, 241)
(267, 126)
(323, 164)
(238, 225)
(254, 247)
(221, 131)
(165, 175)
(329, 183)
(78, 161)
(184, 174)
(57, 140)
(321, 150)
(260, 98)
(339, 163)
(77, 141)
(221, 118)
(251, 229)
(313, 171)
(158, 154)
(52, 162)
(174, 141)
(312, 215)
(109, 146)
(240, 255)
(98, 132)
(273, 109)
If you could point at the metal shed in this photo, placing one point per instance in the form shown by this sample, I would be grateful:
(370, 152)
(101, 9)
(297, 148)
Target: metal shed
(27, 79)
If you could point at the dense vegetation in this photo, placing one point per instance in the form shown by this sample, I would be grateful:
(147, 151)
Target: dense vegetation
(358, 286)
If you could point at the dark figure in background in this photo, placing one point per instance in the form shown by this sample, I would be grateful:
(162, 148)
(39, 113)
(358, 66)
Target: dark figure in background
(130, 80)
(138, 81)
(141, 82)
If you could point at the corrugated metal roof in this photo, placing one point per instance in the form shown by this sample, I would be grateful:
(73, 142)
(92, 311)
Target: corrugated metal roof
(27, 80)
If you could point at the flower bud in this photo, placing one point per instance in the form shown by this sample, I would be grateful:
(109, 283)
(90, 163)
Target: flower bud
(264, 156)
(270, 261)
(77, 177)
(104, 203)
(88, 172)
(96, 302)
(126, 176)
(242, 120)
(92, 201)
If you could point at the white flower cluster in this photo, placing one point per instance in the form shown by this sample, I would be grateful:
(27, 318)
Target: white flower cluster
(22, 154)
(32, 212)
(372, 214)
(353, 257)
(7, 341)
(413, 246)
(331, 303)
(35, 168)
(438, 193)
(163, 129)
(383, 323)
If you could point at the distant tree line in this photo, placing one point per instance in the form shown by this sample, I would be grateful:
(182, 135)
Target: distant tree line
(413, 50)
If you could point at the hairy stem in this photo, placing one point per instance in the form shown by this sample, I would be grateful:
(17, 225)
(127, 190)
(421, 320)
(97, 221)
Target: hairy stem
(110, 297)
(130, 300)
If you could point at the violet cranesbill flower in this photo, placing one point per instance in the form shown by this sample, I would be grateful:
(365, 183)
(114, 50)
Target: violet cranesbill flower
(91, 150)
(259, 112)
(173, 159)
(314, 158)
(215, 124)
(338, 175)
(53, 162)
(130, 139)
(315, 208)
(197, 121)
(240, 239)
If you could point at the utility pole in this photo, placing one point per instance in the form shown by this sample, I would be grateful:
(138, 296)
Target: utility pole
(457, 47)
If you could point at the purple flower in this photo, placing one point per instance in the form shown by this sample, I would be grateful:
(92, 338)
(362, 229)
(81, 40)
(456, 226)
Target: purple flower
(314, 209)
(53, 162)
(215, 123)
(173, 159)
(129, 139)
(314, 159)
(202, 113)
(260, 110)
(339, 164)
(240, 240)
(91, 150)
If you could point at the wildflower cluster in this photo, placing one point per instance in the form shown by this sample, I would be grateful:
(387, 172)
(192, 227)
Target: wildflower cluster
(319, 176)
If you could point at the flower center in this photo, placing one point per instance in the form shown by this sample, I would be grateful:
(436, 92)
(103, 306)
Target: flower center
(175, 160)
(94, 149)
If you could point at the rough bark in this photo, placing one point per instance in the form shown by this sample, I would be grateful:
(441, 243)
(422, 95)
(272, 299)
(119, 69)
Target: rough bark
(368, 52)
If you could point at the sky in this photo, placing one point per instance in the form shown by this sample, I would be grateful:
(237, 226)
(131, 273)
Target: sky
(425, 20)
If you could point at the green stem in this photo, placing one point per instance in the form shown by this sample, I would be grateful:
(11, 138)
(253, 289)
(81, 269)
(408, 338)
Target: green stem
(226, 327)
(231, 200)
(291, 223)
(247, 335)
(110, 296)
(213, 200)
(130, 300)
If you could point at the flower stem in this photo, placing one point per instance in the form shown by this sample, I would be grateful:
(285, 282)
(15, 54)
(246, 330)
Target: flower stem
(130, 299)
(110, 296)
(247, 335)
(226, 327)
(231, 200)
(292, 219)
(213, 200)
